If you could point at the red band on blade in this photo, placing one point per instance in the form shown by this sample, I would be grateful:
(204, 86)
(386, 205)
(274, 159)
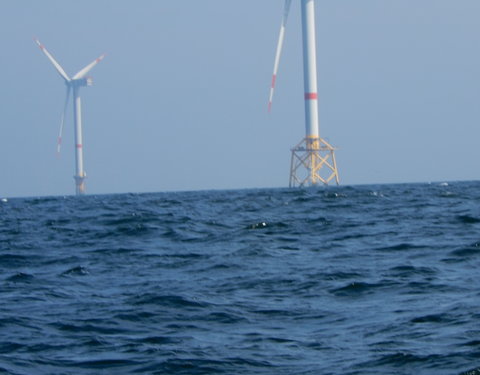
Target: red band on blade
(274, 79)
(79, 146)
(311, 96)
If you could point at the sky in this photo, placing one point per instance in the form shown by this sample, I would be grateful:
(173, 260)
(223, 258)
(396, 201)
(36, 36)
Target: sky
(180, 100)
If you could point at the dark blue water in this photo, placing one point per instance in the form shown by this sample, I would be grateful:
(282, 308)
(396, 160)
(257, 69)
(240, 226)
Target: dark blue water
(353, 280)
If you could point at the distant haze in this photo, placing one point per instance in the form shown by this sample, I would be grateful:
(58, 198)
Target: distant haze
(180, 101)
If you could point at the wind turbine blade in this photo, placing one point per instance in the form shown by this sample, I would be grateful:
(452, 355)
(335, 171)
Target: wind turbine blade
(62, 121)
(53, 61)
(278, 53)
(82, 73)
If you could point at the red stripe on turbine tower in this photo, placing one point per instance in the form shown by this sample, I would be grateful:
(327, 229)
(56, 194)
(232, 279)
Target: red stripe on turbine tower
(79, 146)
(311, 96)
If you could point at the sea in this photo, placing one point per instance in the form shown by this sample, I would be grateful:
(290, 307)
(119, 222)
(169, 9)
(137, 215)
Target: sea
(370, 279)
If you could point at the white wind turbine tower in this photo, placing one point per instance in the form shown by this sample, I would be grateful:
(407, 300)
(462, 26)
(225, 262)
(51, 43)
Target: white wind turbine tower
(74, 84)
(313, 159)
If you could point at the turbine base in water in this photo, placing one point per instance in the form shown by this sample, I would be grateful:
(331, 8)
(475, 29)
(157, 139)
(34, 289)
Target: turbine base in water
(313, 163)
(80, 184)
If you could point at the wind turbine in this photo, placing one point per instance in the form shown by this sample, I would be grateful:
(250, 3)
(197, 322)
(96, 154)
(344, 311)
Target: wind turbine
(74, 84)
(313, 159)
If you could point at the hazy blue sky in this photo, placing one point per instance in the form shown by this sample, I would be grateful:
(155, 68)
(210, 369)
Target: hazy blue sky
(180, 101)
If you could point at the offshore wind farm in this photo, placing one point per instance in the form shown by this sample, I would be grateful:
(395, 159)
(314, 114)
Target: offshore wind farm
(312, 160)
(241, 274)
(165, 91)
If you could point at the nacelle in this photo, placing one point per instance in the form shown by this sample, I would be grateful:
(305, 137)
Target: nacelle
(88, 81)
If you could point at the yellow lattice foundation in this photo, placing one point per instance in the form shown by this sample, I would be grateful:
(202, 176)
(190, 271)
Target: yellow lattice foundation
(80, 184)
(313, 163)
